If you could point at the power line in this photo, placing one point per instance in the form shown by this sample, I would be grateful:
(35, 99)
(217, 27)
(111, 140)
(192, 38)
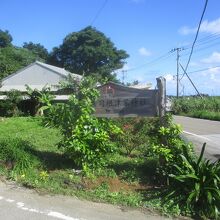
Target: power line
(209, 36)
(204, 40)
(207, 41)
(204, 69)
(162, 57)
(192, 48)
(98, 12)
(197, 33)
(203, 48)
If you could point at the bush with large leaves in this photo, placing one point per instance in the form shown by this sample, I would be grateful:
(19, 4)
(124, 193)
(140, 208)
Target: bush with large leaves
(195, 185)
(167, 145)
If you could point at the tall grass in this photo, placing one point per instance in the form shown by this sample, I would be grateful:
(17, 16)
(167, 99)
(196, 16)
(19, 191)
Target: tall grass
(206, 107)
(15, 155)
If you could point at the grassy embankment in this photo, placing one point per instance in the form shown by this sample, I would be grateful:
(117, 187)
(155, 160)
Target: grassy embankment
(135, 175)
(206, 108)
(128, 180)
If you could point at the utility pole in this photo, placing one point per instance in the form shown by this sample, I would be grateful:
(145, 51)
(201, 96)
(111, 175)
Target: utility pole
(191, 81)
(123, 76)
(178, 49)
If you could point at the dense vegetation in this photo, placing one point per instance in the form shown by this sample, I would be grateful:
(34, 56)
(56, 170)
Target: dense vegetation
(130, 161)
(206, 107)
(87, 52)
(13, 58)
(153, 175)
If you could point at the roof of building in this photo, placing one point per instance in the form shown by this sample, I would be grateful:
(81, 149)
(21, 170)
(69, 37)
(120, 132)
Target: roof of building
(11, 82)
(142, 86)
(58, 70)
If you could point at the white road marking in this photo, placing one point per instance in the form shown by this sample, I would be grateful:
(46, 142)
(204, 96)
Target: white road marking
(9, 200)
(196, 135)
(61, 216)
(34, 210)
(58, 215)
(20, 204)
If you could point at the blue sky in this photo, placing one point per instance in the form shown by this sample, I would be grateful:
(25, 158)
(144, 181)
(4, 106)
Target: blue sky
(146, 29)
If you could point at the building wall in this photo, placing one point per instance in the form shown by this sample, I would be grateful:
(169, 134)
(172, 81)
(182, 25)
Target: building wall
(35, 76)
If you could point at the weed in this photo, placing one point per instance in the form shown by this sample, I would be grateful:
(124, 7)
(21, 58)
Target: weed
(15, 155)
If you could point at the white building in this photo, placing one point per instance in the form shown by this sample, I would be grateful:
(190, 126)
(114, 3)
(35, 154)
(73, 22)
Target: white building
(37, 75)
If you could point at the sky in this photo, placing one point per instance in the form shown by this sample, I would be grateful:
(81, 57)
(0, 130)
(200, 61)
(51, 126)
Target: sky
(147, 30)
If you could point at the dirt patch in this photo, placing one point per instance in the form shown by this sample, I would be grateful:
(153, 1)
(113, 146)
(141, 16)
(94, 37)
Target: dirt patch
(115, 184)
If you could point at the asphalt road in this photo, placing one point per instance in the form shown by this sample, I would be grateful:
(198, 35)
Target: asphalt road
(199, 131)
(17, 203)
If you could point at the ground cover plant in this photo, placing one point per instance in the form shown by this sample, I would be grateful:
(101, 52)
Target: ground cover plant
(206, 107)
(143, 178)
(122, 181)
(195, 186)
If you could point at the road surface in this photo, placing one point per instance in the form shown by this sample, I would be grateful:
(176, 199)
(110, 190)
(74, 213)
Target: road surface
(17, 203)
(199, 131)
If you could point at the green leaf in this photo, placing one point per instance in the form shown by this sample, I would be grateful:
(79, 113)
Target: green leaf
(201, 154)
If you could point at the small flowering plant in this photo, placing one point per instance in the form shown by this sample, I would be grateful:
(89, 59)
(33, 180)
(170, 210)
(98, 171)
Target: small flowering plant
(44, 175)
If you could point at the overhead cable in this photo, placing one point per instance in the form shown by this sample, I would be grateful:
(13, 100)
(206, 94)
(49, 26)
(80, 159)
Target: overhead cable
(99, 12)
(197, 33)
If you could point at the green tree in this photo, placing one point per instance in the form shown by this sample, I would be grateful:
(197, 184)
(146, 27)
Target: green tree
(37, 49)
(5, 38)
(14, 58)
(88, 52)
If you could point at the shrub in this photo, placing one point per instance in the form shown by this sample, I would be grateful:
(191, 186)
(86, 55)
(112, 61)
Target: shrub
(14, 155)
(11, 103)
(196, 185)
(168, 145)
(86, 139)
(135, 136)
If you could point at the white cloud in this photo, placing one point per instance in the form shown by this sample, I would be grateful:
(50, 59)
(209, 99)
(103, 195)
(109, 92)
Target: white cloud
(194, 64)
(215, 70)
(168, 77)
(186, 30)
(213, 75)
(213, 59)
(210, 27)
(144, 52)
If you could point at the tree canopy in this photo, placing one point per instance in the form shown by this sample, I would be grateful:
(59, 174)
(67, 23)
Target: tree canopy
(5, 38)
(14, 58)
(88, 52)
(37, 49)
